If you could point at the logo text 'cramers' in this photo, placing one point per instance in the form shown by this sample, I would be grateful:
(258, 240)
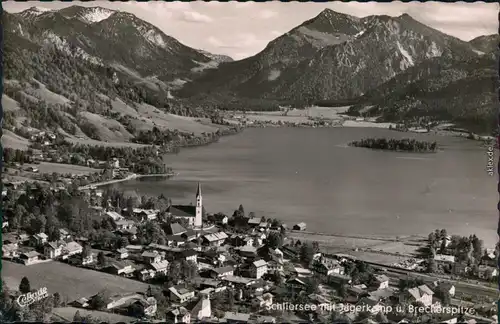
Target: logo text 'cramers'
(32, 297)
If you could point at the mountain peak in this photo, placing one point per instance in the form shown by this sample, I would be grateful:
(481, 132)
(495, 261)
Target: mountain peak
(34, 11)
(87, 14)
(39, 9)
(332, 14)
(329, 21)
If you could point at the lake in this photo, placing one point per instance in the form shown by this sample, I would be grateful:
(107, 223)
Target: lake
(311, 175)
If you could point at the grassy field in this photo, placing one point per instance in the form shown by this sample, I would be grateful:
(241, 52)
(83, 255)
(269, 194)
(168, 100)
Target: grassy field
(370, 249)
(302, 116)
(398, 247)
(71, 282)
(14, 141)
(9, 104)
(381, 258)
(87, 141)
(47, 167)
(48, 96)
(68, 313)
(108, 129)
(335, 243)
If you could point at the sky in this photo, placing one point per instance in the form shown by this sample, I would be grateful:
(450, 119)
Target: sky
(242, 29)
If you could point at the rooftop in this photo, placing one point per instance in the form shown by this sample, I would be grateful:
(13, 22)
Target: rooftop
(237, 317)
(215, 236)
(223, 269)
(259, 263)
(175, 229)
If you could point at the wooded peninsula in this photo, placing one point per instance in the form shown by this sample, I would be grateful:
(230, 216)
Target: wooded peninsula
(405, 144)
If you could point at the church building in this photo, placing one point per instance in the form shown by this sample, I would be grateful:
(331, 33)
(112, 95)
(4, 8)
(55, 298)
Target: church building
(193, 214)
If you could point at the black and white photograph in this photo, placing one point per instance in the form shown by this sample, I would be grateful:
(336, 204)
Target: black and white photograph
(250, 162)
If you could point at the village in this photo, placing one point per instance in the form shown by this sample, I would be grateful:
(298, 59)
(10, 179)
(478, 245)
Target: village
(194, 266)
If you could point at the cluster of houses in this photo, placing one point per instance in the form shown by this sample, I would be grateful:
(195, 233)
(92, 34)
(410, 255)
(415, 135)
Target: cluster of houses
(487, 269)
(221, 259)
(44, 138)
(37, 248)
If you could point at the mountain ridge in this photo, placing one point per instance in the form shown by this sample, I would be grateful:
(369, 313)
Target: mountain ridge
(332, 57)
(298, 67)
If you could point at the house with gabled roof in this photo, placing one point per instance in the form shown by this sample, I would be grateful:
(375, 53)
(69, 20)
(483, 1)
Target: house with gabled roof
(53, 250)
(258, 268)
(422, 294)
(161, 268)
(64, 234)
(151, 256)
(222, 272)
(214, 239)
(253, 222)
(326, 266)
(114, 216)
(10, 250)
(29, 258)
(70, 249)
(146, 274)
(178, 315)
(380, 282)
(122, 253)
(39, 239)
(181, 294)
(121, 268)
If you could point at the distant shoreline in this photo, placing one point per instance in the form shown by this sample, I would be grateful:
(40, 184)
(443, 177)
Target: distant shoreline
(128, 178)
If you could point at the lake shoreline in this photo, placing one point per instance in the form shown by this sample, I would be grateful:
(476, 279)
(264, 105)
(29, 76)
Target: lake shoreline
(260, 170)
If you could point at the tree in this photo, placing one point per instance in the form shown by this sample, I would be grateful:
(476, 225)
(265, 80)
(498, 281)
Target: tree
(443, 246)
(431, 238)
(99, 301)
(315, 246)
(57, 299)
(241, 211)
(230, 299)
(123, 242)
(86, 250)
(312, 286)
(101, 259)
(431, 266)
(443, 233)
(306, 253)
(275, 223)
(477, 248)
(77, 317)
(24, 286)
(275, 240)
(342, 291)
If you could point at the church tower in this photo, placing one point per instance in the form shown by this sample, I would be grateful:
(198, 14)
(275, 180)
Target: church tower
(199, 208)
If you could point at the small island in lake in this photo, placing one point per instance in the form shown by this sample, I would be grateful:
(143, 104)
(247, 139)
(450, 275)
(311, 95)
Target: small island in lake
(405, 144)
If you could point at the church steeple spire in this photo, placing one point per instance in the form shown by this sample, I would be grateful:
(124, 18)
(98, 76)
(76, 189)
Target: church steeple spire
(198, 191)
(198, 221)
